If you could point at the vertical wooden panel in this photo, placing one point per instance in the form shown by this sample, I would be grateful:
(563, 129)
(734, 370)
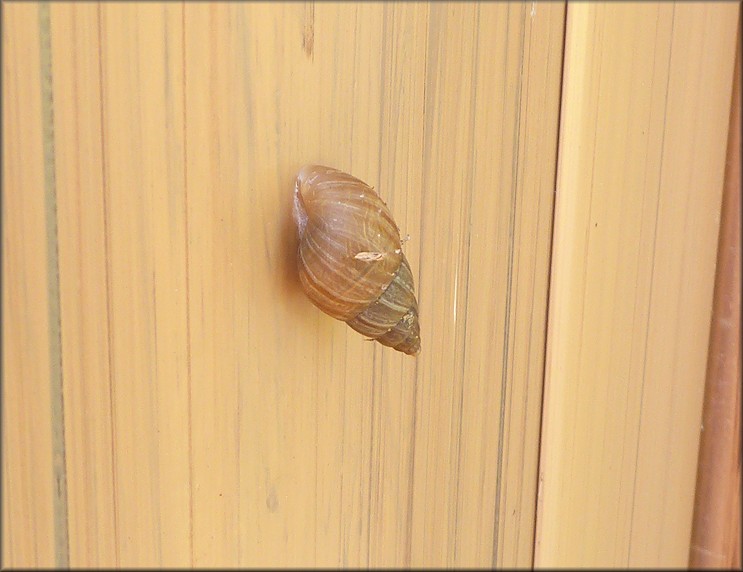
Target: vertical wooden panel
(507, 284)
(646, 94)
(84, 299)
(143, 194)
(215, 417)
(349, 467)
(28, 476)
(486, 216)
(715, 541)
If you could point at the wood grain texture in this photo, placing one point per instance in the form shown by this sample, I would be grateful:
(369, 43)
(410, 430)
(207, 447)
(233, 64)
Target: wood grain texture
(145, 215)
(715, 541)
(345, 454)
(83, 290)
(646, 95)
(27, 448)
(494, 285)
(213, 416)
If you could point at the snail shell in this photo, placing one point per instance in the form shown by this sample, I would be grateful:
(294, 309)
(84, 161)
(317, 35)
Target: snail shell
(350, 259)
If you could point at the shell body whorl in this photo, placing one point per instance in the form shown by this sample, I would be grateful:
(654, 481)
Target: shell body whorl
(350, 258)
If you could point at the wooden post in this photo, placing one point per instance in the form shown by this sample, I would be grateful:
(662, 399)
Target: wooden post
(715, 538)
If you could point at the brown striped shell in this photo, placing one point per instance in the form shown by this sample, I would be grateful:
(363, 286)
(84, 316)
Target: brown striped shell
(350, 258)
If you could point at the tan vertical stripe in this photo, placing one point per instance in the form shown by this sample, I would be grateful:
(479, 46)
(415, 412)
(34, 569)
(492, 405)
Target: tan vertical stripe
(61, 541)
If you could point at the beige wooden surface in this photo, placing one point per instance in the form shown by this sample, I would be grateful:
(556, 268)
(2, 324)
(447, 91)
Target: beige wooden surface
(170, 397)
(28, 476)
(644, 119)
(211, 415)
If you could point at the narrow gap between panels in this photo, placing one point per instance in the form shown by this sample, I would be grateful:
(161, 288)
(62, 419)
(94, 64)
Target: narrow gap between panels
(59, 471)
(549, 288)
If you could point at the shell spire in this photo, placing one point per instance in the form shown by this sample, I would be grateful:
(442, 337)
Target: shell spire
(350, 258)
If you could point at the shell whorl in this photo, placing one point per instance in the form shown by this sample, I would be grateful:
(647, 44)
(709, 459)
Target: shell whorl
(350, 258)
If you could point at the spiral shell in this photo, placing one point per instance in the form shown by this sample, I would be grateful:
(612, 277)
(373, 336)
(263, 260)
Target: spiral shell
(350, 258)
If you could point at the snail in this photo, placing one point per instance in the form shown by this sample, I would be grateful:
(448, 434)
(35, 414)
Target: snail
(350, 258)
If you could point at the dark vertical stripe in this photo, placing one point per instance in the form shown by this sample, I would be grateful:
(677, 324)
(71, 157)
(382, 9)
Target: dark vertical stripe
(59, 496)
(187, 230)
(109, 300)
(505, 373)
(466, 257)
(543, 371)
